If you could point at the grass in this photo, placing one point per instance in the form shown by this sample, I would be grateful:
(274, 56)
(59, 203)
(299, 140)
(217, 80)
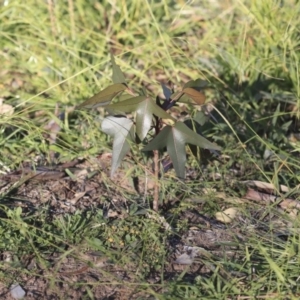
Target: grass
(55, 56)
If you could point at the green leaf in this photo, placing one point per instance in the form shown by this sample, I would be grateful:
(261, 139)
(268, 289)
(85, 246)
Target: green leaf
(175, 138)
(104, 97)
(193, 138)
(117, 76)
(128, 105)
(170, 138)
(200, 118)
(197, 84)
(145, 108)
(121, 129)
(160, 141)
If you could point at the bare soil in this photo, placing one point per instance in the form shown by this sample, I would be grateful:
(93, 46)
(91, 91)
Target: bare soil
(196, 251)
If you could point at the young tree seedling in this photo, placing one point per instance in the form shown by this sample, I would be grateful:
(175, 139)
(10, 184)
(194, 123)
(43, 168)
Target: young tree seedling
(151, 125)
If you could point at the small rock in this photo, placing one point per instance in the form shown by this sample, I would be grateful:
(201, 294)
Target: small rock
(16, 291)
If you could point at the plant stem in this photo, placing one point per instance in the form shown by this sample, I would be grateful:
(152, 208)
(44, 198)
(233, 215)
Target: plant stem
(156, 166)
(156, 174)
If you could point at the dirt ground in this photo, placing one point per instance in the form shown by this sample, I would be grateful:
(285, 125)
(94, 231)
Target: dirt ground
(196, 252)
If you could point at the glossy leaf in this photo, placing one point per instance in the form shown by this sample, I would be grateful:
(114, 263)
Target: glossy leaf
(175, 138)
(145, 108)
(104, 97)
(121, 129)
(117, 76)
